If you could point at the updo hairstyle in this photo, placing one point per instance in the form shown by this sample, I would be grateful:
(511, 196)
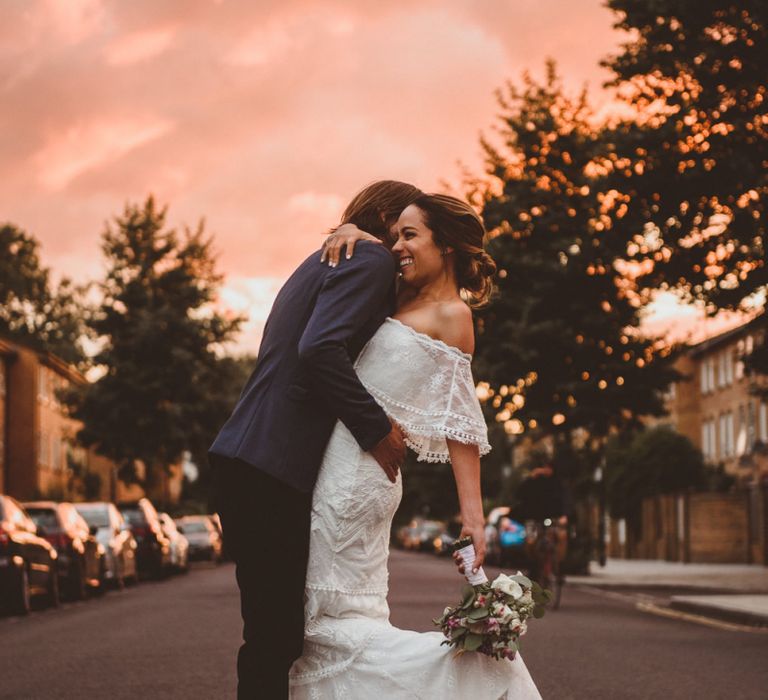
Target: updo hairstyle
(455, 224)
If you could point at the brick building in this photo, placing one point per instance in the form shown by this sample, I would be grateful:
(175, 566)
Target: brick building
(39, 454)
(714, 408)
(6, 352)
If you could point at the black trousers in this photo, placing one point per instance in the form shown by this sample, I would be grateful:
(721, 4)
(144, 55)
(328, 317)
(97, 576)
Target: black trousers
(266, 532)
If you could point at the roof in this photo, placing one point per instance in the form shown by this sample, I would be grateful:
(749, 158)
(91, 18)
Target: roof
(6, 349)
(53, 505)
(9, 347)
(722, 338)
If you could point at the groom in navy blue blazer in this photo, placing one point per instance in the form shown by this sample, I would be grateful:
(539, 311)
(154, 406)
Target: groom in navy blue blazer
(267, 455)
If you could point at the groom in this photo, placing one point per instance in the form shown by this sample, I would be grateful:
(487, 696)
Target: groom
(266, 458)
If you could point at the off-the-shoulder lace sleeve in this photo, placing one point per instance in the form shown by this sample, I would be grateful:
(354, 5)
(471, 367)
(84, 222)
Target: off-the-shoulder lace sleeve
(426, 387)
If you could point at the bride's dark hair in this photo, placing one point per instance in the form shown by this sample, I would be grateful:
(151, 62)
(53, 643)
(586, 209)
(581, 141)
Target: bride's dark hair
(455, 224)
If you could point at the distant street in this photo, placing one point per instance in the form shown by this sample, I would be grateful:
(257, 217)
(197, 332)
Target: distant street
(178, 639)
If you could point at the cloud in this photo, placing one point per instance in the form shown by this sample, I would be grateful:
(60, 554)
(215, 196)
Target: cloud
(262, 45)
(83, 147)
(326, 206)
(139, 46)
(264, 118)
(252, 296)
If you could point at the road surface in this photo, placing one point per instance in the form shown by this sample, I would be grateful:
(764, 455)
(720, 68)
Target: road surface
(178, 639)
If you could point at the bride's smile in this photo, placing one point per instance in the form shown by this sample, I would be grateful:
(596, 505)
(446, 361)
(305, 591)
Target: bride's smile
(420, 261)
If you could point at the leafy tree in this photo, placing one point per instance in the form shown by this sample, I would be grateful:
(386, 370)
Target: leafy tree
(30, 310)
(558, 345)
(231, 374)
(159, 336)
(690, 170)
(651, 462)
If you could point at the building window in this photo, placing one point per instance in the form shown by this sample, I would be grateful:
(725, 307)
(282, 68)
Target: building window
(725, 368)
(43, 387)
(751, 428)
(729, 366)
(42, 448)
(708, 375)
(726, 435)
(739, 361)
(729, 451)
(763, 423)
(708, 446)
(721, 437)
(741, 436)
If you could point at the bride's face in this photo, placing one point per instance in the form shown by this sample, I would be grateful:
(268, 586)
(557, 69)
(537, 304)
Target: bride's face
(419, 259)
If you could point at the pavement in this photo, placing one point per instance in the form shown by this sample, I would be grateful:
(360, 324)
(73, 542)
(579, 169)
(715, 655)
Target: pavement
(733, 592)
(178, 638)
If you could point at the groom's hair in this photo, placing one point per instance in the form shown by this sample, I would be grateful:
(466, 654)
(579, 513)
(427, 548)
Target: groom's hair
(377, 207)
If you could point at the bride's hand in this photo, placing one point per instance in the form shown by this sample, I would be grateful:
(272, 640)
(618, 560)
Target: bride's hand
(477, 533)
(345, 235)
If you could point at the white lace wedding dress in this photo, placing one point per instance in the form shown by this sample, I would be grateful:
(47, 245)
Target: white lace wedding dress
(351, 650)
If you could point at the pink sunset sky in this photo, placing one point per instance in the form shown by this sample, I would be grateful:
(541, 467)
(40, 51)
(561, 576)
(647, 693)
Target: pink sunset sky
(263, 117)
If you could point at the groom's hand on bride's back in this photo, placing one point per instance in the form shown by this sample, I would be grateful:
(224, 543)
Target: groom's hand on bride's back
(390, 452)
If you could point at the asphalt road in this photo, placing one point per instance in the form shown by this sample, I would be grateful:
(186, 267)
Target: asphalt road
(178, 639)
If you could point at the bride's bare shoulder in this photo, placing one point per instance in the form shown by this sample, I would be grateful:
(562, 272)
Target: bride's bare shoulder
(455, 324)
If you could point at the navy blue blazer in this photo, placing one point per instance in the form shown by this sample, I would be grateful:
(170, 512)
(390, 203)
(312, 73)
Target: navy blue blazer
(304, 380)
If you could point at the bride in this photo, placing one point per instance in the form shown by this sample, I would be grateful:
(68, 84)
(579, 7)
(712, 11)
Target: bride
(417, 367)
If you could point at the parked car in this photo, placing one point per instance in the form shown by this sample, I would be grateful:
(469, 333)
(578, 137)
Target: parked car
(421, 535)
(204, 538)
(444, 542)
(28, 564)
(216, 520)
(179, 544)
(115, 535)
(80, 556)
(153, 551)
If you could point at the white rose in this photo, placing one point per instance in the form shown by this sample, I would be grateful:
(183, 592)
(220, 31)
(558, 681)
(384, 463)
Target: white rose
(503, 613)
(507, 586)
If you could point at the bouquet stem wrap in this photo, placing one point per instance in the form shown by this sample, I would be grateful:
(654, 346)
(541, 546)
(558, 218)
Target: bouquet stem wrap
(467, 554)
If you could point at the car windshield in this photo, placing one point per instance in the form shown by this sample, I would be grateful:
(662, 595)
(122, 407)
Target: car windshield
(194, 526)
(44, 517)
(133, 515)
(432, 529)
(95, 516)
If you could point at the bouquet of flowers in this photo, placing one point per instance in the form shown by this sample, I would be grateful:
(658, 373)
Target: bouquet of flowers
(492, 616)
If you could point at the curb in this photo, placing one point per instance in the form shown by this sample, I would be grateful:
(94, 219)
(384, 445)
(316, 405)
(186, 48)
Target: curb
(739, 617)
(707, 621)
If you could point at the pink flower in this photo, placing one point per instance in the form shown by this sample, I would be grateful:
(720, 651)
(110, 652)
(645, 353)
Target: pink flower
(492, 626)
